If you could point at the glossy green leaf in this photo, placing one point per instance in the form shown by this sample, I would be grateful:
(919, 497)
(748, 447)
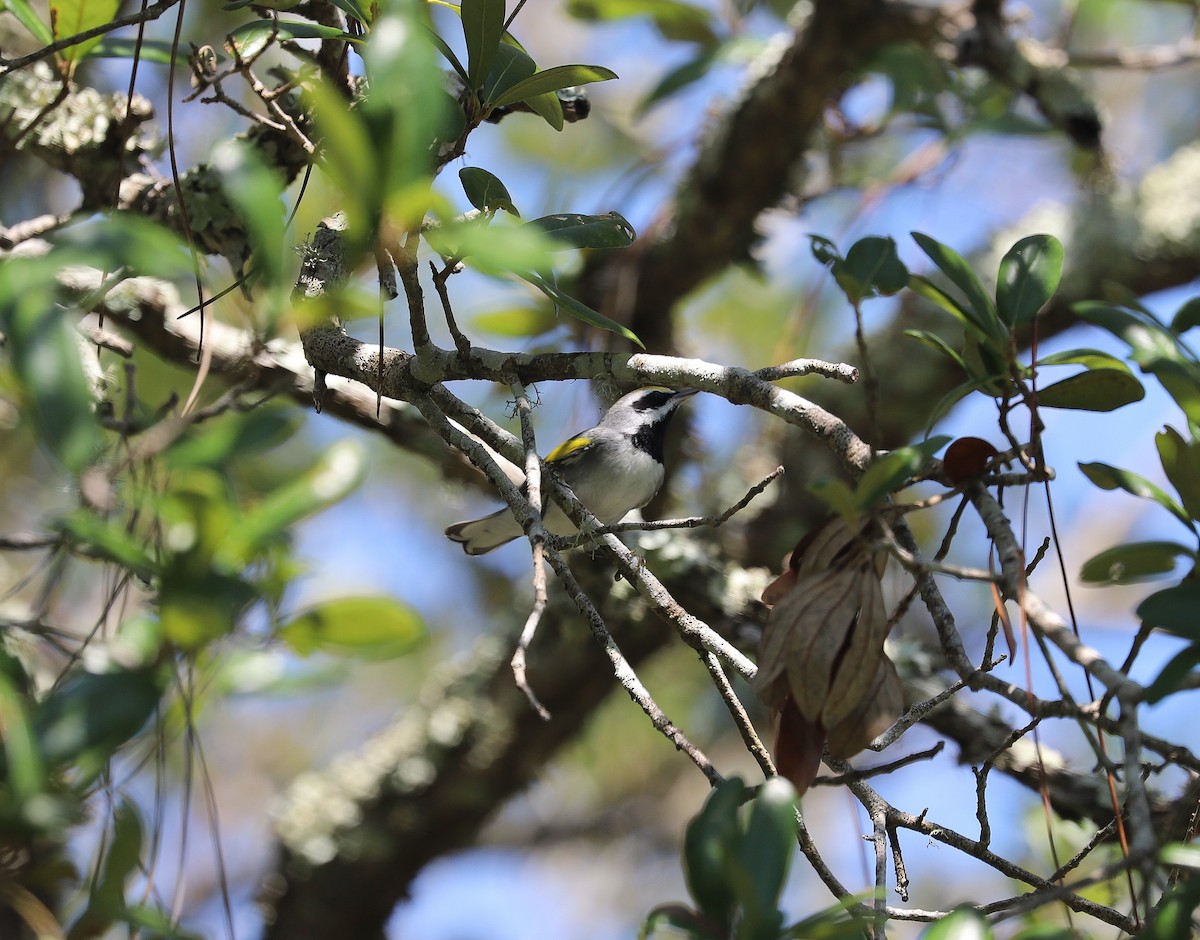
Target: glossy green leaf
(935, 342)
(1092, 358)
(483, 25)
(31, 19)
(579, 310)
(892, 471)
(1173, 918)
(587, 231)
(1133, 562)
(1111, 478)
(88, 717)
(924, 287)
(250, 39)
(339, 471)
(485, 191)
(870, 267)
(1174, 609)
(823, 249)
(548, 107)
(512, 66)
(46, 356)
(368, 627)
(72, 17)
(1093, 390)
(355, 10)
(1174, 674)
(552, 79)
(1181, 463)
(1187, 316)
(962, 923)
(763, 858)
(1148, 339)
(710, 842)
(979, 308)
(1029, 276)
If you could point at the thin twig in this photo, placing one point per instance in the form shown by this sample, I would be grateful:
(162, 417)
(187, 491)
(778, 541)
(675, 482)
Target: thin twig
(741, 720)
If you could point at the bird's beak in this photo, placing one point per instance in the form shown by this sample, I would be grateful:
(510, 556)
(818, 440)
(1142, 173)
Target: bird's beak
(685, 393)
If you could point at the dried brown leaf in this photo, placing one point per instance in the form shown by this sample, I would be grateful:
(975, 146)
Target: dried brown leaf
(877, 712)
(798, 746)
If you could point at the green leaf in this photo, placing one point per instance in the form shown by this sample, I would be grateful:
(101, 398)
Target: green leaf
(1187, 316)
(579, 310)
(254, 190)
(924, 287)
(483, 25)
(1174, 609)
(587, 231)
(106, 900)
(338, 472)
(890, 472)
(1094, 390)
(1172, 919)
(130, 243)
(367, 627)
(23, 769)
(763, 858)
(1184, 855)
(1133, 562)
(30, 18)
(870, 267)
(1111, 478)
(683, 22)
(71, 17)
(512, 66)
(676, 922)
(199, 604)
(517, 322)
(1181, 463)
(933, 341)
(979, 308)
(347, 157)
(679, 78)
(1092, 358)
(485, 191)
(823, 249)
(109, 539)
(709, 843)
(549, 108)
(1029, 276)
(161, 51)
(250, 39)
(216, 443)
(46, 356)
(1148, 339)
(1177, 671)
(963, 923)
(496, 248)
(1181, 381)
(87, 718)
(443, 47)
(561, 76)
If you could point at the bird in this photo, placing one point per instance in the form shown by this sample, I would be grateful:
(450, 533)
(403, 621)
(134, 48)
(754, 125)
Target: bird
(612, 469)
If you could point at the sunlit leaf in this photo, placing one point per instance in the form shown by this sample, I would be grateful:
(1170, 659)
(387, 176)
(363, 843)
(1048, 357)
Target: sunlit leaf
(1092, 358)
(1029, 276)
(1148, 339)
(1093, 390)
(369, 627)
(72, 17)
(1133, 562)
(552, 79)
(512, 66)
(888, 473)
(161, 51)
(933, 341)
(579, 310)
(254, 189)
(109, 538)
(674, 19)
(250, 39)
(962, 923)
(517, 322)
(1111, 478)
(31, 19)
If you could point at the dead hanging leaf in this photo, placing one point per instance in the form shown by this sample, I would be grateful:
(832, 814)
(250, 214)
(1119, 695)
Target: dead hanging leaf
(798, 746)
(822, 649)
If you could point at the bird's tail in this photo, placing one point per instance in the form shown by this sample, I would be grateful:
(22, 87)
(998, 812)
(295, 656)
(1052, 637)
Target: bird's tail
(478, 536)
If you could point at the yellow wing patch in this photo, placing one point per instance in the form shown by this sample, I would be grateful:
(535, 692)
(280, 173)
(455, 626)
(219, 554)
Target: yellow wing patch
(567, 448)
